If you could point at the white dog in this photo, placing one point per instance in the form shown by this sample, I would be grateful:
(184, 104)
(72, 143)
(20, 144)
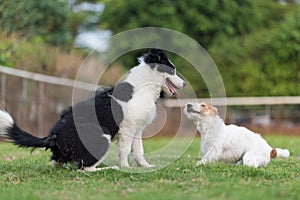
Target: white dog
(229, 143)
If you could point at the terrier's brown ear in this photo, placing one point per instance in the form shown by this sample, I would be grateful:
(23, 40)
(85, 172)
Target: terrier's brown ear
(215, 110)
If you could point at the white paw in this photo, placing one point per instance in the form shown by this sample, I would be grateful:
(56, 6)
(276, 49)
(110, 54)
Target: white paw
(56, 164)
(125, 165)
(147, 165)
(201, 162)
(53, 163)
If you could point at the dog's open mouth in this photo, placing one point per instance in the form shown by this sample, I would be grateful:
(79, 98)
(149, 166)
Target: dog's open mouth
(171, 87)
(191, 110)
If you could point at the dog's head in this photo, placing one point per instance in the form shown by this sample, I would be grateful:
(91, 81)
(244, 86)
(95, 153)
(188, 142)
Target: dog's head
(159, 62)
(199, 111)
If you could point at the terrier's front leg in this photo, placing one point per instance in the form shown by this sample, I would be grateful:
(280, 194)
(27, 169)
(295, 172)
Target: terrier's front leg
(209, 157)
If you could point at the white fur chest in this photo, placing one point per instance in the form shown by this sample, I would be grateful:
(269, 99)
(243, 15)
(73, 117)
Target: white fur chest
(141, 109)
(211, 131)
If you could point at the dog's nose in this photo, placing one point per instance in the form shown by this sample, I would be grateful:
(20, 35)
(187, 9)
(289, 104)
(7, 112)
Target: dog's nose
(184, 84)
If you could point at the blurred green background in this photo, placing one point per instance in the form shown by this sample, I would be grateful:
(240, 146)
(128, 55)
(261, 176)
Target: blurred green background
(255, 44)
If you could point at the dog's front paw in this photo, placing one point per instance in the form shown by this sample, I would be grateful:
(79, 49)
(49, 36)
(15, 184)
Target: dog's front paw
(124, 165)
(201, 162)
(147, 165)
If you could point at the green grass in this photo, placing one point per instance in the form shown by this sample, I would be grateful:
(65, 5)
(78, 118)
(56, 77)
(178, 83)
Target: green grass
(30, 176)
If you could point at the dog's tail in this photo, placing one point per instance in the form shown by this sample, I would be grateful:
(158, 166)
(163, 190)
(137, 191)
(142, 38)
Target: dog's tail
(12, 133)
(279, 153)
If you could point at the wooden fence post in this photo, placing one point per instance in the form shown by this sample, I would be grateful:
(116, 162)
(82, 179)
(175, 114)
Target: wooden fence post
(40, 109)
(3, 90)
(22, 106)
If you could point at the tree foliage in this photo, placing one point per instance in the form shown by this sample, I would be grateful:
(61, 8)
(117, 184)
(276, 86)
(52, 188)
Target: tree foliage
(202, 20)
(135, 13)
(254, 43)
(47, 20)
(267, 62)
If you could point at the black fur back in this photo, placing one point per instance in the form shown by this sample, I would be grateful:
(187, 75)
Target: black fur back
(64, 140)
(69, 145)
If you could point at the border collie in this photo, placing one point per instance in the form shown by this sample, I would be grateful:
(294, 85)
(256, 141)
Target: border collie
(229, 143)
(122, 112)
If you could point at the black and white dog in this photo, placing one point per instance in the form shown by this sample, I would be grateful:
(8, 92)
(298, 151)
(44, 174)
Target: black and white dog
(122, 112)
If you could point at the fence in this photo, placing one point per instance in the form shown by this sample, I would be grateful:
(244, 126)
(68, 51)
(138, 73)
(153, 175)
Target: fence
(37, 97)
(37, 100)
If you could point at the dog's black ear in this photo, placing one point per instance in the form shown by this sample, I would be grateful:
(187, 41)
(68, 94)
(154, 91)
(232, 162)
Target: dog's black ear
(154, 56)
(154, 51)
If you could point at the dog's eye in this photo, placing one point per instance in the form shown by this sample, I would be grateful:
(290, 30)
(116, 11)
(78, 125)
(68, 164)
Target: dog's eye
(202, 105)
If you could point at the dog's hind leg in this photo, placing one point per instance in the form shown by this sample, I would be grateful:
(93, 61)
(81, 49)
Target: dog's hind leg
(254, 159)
(56, 157)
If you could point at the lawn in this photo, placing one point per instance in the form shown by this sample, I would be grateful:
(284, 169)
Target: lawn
(25, 175)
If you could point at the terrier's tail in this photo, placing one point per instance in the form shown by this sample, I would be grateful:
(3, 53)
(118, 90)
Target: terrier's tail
(279, 153)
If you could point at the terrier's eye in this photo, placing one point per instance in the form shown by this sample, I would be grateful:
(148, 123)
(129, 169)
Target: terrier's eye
(202, 105)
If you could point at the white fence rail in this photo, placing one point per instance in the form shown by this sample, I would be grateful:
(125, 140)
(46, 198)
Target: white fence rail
(47, 79)
(237, 101)
(35, 99)
(230, 101)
